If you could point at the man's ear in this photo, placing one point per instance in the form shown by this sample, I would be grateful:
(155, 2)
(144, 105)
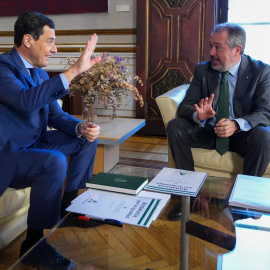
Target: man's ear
(27, 38)
(238, 49)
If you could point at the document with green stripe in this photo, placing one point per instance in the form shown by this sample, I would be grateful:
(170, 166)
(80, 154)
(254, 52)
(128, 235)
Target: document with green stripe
(177, 182)
(129, 209)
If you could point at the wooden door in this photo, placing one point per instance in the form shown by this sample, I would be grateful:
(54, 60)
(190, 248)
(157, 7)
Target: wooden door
(172, 37)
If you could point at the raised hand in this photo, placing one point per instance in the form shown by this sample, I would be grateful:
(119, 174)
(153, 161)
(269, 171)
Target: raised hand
(205, 110)
(84, 62)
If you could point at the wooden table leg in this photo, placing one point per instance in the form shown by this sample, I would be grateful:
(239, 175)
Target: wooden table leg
(107, 156)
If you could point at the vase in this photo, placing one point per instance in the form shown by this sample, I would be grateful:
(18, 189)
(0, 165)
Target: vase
(114, 115)
(88, 111)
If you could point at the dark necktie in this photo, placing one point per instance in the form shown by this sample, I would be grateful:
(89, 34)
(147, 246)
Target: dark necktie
(34, 75)
(43, 110)
(222, 144)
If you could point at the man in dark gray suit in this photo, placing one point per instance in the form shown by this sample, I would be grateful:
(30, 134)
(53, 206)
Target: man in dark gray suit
(247, 126)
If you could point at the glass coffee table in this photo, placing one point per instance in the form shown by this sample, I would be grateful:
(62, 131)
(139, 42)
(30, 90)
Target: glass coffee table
(208, 238)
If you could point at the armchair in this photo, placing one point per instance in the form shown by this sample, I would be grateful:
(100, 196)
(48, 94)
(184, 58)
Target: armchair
(205, 160)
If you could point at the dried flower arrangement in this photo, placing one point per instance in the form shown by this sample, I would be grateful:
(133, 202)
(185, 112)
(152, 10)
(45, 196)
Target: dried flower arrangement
(108, 81)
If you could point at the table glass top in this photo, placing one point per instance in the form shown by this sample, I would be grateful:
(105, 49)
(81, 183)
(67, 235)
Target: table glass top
(220, 237)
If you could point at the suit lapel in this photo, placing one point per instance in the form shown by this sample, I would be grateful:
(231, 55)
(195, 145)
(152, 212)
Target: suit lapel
(44, 110)
(243, 79)
(18, 61)
(40, 79)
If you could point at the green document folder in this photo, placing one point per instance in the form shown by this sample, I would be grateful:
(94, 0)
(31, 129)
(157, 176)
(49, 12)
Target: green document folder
(117, 183)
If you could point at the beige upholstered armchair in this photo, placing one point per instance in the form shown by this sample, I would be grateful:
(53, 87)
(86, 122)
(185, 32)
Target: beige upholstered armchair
(205, 160)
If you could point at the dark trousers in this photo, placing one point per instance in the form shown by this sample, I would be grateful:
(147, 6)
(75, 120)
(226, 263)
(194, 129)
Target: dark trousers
(252, 145)
(44, 169)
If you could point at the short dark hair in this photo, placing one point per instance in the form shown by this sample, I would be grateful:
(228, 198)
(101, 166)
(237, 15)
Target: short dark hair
(237, 34)
(30, 22)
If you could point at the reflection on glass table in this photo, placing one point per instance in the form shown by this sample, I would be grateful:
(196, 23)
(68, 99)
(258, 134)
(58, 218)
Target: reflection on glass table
(252, 244)
(135, 171)
(225, 237)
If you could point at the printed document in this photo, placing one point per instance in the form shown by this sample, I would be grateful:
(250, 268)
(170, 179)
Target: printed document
(177, 182)
(251, 192)
(129, 209)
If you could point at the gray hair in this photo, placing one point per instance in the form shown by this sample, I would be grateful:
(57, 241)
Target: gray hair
(237, 35)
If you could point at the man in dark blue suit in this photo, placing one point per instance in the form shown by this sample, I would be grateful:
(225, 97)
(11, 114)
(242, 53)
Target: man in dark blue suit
(29, 155)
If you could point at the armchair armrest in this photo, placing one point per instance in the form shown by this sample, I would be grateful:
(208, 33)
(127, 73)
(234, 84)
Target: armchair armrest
(168, 102)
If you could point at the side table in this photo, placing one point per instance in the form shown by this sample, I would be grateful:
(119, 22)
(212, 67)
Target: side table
(112, 134)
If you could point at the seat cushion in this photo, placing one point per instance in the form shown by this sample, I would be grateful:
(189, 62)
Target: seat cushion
(13, 200)
(14, 206)
(210, 161)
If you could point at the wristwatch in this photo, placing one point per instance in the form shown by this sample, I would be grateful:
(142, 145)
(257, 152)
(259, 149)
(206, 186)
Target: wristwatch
(79, 129)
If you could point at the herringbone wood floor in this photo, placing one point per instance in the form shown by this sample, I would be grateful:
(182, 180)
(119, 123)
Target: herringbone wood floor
(134, 248)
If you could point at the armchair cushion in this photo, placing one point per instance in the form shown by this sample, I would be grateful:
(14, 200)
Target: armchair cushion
(14, 206)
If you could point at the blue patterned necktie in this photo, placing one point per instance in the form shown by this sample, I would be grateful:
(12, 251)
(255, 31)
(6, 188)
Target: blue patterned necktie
(34, 75)
(222, 144)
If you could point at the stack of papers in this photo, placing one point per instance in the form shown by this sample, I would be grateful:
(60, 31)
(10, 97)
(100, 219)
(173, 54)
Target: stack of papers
(251, 192)
(177, 182)
(135, 210)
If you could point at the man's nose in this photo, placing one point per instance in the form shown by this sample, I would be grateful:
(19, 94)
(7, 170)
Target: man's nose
(54, 48)
(212, 51)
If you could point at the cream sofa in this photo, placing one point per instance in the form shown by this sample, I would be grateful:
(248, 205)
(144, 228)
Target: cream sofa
(205, 160)
(14, 206)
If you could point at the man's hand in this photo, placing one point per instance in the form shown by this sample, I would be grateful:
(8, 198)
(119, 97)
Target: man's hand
(205, 110)
(90, 131)
(225, 127)
(84, 62)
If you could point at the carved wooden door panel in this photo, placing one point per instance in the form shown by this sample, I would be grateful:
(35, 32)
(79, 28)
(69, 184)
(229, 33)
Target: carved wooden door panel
(172, 37)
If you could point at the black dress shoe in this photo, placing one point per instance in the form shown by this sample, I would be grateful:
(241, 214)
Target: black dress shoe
(175, 213)
(45, 256)
(25, 246)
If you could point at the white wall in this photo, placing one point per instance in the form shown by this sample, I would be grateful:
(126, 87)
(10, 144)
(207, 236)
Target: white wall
(112, 19)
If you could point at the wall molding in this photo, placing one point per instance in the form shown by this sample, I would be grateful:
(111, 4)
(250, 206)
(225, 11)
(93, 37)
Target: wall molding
(83, 32)
(77, 47)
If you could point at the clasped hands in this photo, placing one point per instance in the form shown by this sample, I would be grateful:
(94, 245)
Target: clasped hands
(90, 131)
(224, 127)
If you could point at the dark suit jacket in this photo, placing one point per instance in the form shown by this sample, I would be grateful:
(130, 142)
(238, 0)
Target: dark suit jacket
(25, 111)
(252, 91)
